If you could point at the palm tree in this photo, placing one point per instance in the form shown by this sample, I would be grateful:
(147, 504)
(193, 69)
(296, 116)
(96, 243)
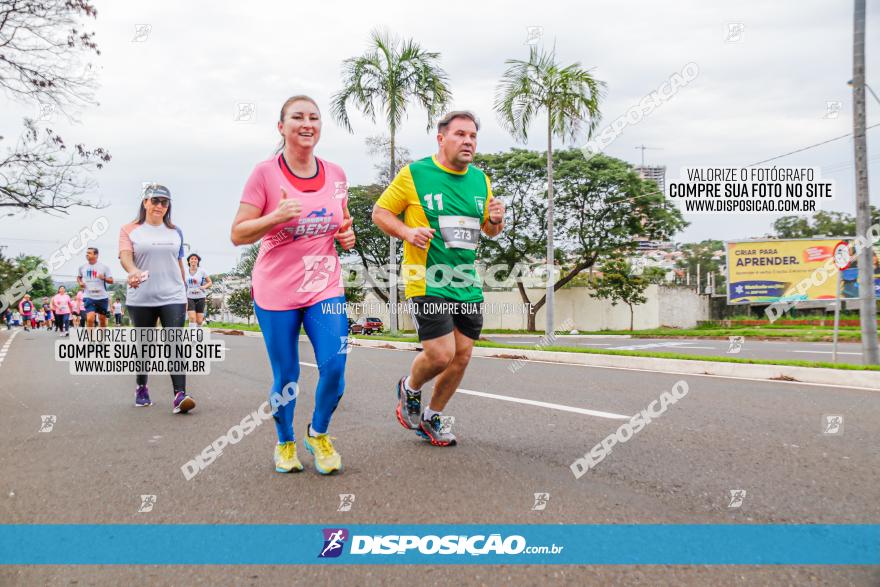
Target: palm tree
(569, 95)
(383, 80)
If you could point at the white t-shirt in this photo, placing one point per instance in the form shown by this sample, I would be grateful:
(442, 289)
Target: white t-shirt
(117, 307)
(156, 249)
(96, 289)
(194, 281)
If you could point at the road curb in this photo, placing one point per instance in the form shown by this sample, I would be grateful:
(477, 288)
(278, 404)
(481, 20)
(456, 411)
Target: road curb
(817, 375)
(225, 331)
(566, 335)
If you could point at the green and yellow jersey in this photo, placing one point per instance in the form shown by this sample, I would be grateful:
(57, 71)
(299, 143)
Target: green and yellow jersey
(455, 204)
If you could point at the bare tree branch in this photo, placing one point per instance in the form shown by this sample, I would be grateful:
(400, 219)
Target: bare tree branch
(44, 60)
(42, 173)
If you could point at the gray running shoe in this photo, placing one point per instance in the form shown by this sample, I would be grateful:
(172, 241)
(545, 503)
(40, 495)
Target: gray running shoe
(435, 431)
(409, 406)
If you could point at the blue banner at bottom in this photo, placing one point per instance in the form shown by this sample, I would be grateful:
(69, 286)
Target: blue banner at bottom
(625, 544)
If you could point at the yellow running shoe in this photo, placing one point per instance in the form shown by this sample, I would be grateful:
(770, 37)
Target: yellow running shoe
(285, 458)
(327, 460)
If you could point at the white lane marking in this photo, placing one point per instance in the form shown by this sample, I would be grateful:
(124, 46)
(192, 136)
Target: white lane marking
(531, 402)
(650, 345)
(826, 352)
(684, 345)
(5, 349)
(3, 352)
(711, 348)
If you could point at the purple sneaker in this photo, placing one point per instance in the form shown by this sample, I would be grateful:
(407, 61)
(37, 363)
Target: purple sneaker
(182, 403)
(142, 397)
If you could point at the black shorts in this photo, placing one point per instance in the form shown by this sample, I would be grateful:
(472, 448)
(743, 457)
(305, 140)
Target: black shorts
(196, 305)
(435, 317)
(96, 306)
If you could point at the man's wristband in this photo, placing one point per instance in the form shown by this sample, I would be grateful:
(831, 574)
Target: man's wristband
(495, 223)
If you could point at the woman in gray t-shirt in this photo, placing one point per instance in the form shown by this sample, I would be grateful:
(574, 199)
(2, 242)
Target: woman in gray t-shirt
(151, 251)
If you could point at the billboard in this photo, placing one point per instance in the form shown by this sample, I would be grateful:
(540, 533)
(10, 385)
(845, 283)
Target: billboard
(768, 271)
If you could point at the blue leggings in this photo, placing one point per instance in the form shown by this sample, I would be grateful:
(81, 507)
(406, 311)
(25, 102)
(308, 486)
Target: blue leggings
(326, 325)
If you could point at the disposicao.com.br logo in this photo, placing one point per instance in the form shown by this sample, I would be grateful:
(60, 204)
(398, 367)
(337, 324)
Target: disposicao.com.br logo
(393, 544)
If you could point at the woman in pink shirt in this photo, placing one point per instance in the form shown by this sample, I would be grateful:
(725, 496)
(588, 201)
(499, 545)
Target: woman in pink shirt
(81, 305)
(74, 310)
(61, 305)
(298, 204)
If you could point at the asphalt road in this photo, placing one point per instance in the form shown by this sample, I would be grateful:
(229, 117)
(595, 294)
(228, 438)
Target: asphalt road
(759, 436)
(847, 352)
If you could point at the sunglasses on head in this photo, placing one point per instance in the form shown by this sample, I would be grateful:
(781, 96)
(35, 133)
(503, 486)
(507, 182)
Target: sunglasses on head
(156, 201)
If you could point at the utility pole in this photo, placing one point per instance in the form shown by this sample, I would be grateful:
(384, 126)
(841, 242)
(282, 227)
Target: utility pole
(867, 304)
(551, 265)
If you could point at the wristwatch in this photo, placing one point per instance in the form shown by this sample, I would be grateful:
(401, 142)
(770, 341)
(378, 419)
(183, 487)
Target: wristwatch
(495, 223)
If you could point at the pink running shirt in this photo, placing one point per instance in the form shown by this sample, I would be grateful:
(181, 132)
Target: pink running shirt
(61, 303)
(297, 265)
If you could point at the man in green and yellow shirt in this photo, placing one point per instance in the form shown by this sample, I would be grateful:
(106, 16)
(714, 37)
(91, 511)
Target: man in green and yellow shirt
(445, 202)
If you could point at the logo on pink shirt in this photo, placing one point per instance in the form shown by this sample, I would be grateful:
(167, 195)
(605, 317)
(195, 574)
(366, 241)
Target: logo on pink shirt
(318, 271)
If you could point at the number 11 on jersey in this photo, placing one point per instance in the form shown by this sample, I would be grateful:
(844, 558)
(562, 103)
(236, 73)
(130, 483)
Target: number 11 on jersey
(429, 203)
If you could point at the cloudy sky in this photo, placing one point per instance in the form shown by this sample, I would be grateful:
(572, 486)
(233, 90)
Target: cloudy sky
(169, 98)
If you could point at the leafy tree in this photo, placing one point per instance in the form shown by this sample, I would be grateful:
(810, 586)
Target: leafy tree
(606, 204)
(792, 227)
(384, 79)
(371, 245)
(119, 290)
(43, 47)
(654, 275)
(12, 288)
(9, 273)
(212, 308)
(703, 254)
(603, 205)
(240, 303)
(569, 96)
(40, 287)
(518, 178)
(618, 284)
(354, 293)
(824, 223)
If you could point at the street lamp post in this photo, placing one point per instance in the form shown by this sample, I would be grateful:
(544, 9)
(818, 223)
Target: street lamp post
(873, 93)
